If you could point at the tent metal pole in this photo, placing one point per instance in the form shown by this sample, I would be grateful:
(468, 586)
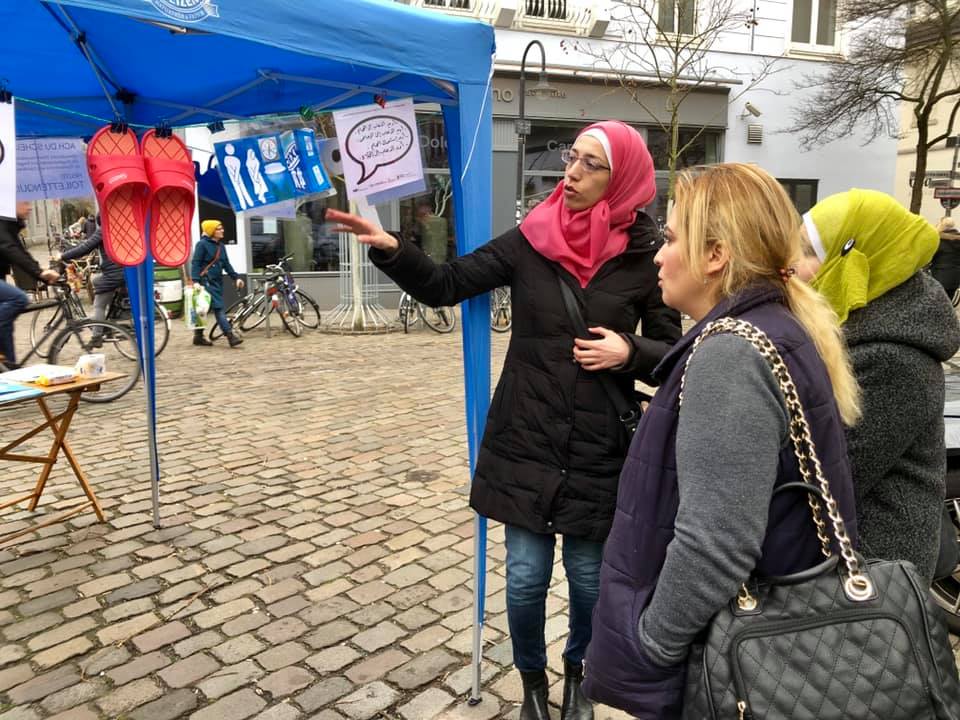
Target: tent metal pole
(223, 98)
(479, 593)
(386, 92)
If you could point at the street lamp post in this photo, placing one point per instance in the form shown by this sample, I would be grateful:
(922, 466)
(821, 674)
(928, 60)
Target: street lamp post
(542, 89)
(953, 172)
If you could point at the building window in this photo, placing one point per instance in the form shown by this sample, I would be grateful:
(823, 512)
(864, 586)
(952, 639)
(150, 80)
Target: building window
(314, 245)
(803, 193)
(704, 149)
(814, 23)
(677, 16)
(455, 4)
(548, 9)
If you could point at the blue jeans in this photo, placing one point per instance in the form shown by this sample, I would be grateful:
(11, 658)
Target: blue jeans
(12, 302)
(221, 316)
(529, 566)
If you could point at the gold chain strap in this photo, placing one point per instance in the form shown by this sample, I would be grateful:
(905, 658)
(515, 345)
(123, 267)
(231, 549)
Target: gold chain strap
(858, 585)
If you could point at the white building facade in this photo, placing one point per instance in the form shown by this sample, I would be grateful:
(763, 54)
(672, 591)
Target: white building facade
(801, 35)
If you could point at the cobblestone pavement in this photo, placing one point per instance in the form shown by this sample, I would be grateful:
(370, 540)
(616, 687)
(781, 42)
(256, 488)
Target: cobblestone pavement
(315, 558)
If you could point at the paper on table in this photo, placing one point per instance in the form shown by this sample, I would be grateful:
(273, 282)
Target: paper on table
(14, 391)
(32, 372)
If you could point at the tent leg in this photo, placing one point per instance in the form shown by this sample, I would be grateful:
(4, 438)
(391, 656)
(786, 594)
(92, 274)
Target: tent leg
(145, 293)
(479, 597)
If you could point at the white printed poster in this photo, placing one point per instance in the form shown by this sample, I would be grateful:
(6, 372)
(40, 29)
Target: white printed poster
(8, 161)
(379, 147)
(52, 168)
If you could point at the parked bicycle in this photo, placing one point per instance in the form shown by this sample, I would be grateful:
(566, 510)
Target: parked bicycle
(501, 312)
(439, 319)
(67, 335)
(276, 293)
(48, 314)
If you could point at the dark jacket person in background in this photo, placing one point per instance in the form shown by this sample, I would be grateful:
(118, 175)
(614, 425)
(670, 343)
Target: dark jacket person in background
(553, 446)
(12, 299)
(900, 327)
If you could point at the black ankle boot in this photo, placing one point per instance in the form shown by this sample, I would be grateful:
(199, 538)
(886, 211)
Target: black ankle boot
(534, 696)
(233, 340)
(575, 704)
(199, 339)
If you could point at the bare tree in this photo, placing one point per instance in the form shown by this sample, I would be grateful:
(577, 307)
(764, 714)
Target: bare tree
(666, 44)
(900, 52)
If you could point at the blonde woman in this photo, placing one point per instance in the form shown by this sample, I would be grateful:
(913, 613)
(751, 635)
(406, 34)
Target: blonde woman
(695, 512)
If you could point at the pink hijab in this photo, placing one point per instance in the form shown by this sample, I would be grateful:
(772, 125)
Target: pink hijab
(582, 241)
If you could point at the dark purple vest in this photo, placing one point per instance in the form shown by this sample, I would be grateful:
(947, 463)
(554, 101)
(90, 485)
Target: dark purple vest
(617, 672)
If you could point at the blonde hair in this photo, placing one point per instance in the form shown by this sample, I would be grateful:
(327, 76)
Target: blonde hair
(745, 210)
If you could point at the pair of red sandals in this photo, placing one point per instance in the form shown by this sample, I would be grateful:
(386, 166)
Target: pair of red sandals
(133, 178)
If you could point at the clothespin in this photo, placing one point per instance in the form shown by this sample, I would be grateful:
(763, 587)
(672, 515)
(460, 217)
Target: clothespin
(163, 129)
(6, 97)
(306, 113)
(119, 126)
(215, 126)
(380, 100)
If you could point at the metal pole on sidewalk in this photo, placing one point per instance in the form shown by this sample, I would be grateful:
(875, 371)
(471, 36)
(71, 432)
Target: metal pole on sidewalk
(479, 596)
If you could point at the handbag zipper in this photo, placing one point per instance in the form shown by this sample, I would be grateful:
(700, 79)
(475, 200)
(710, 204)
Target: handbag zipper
(782, 627)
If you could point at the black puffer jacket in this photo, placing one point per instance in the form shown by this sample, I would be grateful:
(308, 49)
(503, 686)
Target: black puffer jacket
(553, 447)
(12, 252)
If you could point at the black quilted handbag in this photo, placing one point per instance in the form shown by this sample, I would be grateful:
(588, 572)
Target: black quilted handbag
(844, 639)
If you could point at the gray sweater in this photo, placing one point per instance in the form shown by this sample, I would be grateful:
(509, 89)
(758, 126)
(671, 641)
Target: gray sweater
(897, 344)
(732, 426)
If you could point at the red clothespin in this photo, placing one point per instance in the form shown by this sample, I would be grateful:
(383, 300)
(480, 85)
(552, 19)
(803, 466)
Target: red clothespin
(380, 100)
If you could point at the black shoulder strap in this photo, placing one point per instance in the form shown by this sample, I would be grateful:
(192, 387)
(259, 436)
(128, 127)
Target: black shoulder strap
(625, 410)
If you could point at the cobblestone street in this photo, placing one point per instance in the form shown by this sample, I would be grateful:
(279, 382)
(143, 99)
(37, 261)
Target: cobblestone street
(315, 559)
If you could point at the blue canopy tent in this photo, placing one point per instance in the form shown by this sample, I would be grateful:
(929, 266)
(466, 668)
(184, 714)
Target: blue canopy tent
(76, 65)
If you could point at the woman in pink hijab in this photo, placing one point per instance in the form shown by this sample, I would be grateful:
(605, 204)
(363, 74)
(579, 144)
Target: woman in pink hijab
(554, 442)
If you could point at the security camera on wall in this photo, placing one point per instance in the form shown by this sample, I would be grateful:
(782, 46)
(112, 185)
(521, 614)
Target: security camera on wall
(752, 110)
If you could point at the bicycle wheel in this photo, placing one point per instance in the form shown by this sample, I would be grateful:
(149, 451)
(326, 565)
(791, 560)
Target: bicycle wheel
(309, 310)
(290, 317)
(256, 313)
(439, 319)
(116, 342)
(407, 313)
(161, 328)
(235, 314)
(42, 322)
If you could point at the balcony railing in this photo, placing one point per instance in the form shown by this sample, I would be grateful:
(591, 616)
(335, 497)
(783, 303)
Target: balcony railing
(547, 9)
(576, 17)
(451, 4)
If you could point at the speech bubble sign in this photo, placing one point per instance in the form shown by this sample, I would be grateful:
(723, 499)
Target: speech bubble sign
(377, 142)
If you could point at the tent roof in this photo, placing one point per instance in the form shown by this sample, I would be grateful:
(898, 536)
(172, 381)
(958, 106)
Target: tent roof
(254, 57)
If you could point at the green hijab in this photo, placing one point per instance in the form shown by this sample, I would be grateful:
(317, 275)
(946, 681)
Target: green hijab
(868, 244)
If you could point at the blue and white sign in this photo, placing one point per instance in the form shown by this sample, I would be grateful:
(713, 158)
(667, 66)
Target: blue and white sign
(51, 168)
(8, 161)
(186, 10)
(267, 169)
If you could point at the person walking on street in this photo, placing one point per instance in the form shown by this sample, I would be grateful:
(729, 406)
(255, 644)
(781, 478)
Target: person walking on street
(945, 267)
(868, 254)
(12, 299)
(696, 515)
(553, 446)
(209, 263)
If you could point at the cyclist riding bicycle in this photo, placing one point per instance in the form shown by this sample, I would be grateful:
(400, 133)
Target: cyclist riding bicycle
(107, 281)
(13, 300)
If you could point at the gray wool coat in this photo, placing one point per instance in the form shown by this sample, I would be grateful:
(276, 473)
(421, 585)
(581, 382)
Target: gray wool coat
(897, 344)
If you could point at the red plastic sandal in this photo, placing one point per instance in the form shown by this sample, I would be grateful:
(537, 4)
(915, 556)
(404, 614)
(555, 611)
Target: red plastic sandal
(170, 170)
(120, 182)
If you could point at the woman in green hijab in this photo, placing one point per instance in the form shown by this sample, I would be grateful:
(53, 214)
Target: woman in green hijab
(866, 255)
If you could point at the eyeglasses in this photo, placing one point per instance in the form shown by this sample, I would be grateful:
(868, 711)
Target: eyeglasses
(590, 164)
